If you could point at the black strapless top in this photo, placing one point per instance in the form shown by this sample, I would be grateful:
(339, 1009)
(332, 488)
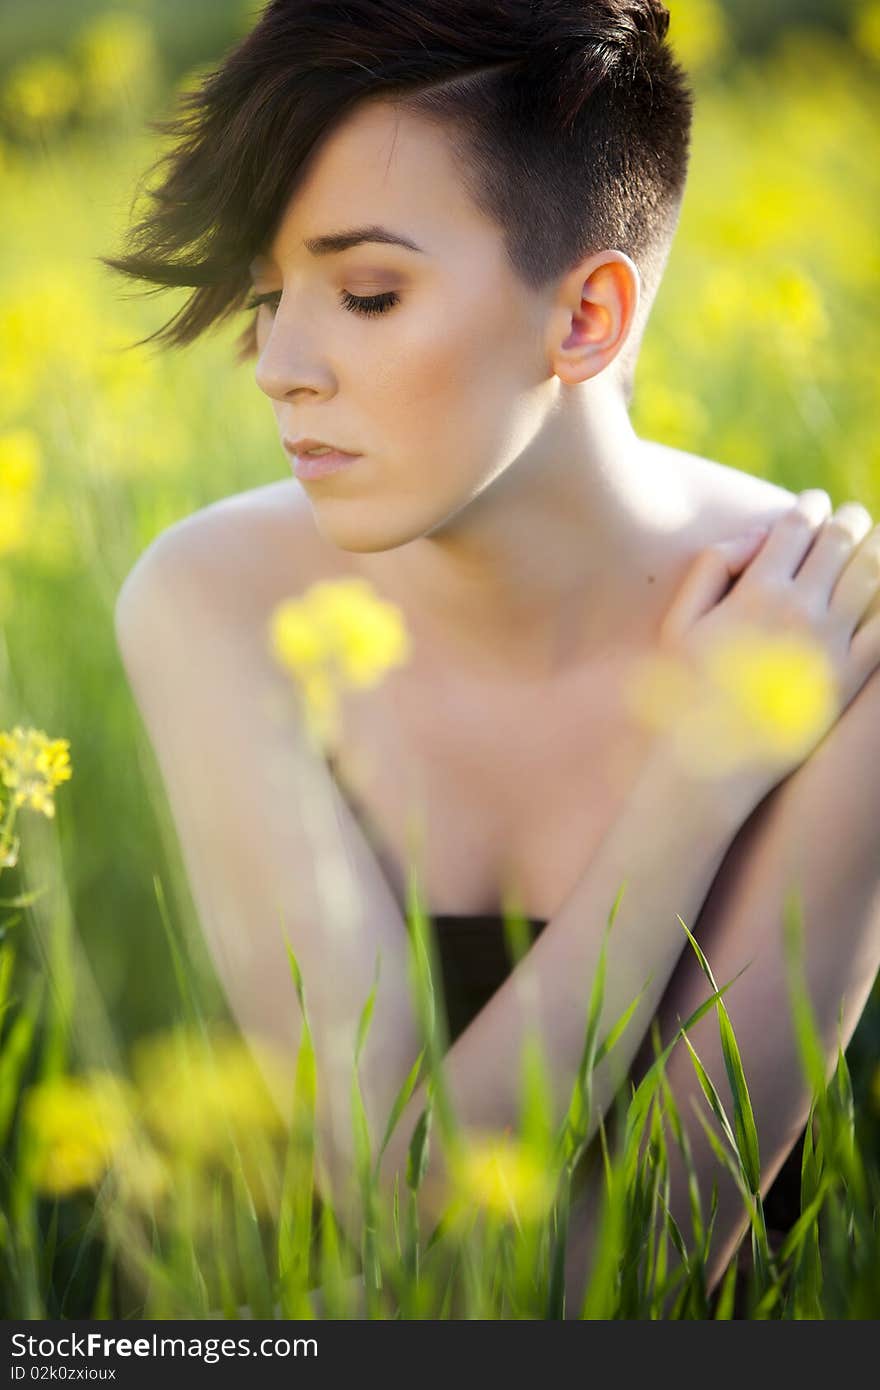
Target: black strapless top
(474, 962)
(472, 949)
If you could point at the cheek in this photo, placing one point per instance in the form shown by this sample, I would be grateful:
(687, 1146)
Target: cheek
(426, 361)
(443, 379)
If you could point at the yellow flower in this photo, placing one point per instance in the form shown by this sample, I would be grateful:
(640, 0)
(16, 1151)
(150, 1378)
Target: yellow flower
(203, 1100)
(39, 93)
(18, 357)
(19, 471)
(117, 55)
(19, 462)
(501, 1176)
(773, 694)
(783, 685)
(792, 313)
(32, 766)
(339, 634)
(297, 640)
(54, 325)
(74, 1125)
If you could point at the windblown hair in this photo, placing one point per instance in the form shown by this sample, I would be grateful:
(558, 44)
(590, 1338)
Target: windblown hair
(570, 120)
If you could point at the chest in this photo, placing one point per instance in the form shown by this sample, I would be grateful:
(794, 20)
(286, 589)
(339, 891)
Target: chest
(491, 792)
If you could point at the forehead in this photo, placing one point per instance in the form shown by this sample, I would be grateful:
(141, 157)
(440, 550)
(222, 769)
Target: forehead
(379, 168)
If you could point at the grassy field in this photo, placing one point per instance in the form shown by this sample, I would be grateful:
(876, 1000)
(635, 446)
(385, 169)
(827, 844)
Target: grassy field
(761, 353)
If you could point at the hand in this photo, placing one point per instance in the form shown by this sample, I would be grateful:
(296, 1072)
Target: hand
(805, 593)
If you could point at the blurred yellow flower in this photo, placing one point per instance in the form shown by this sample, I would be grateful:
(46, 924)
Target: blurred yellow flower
(339, 634)
(52, 325)
(19, 460)
(32, 766)
(763, 307)
(500, 1175)
(17, 376)
(783, 685)
(760, 694)
(74, 1125)
(117, 58)
(39, 93)
(20, 466)
(203, 1099)
(791, 308)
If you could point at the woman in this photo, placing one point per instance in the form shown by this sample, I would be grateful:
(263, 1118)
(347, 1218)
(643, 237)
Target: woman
(454, 221)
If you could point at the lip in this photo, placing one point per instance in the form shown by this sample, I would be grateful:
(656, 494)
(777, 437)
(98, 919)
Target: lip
(308, 468)
(299, 446)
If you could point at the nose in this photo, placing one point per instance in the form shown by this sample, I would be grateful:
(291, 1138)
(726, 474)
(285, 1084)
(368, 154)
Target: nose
(284, 367)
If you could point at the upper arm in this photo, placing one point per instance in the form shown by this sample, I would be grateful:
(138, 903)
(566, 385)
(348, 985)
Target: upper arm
(270, 848)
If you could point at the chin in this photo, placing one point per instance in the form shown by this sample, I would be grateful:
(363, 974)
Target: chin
(356, 533)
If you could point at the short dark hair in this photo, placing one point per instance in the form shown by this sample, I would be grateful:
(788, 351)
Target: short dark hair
(571, 121)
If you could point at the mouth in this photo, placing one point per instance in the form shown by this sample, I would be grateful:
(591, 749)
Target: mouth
(317, 462)
(314, 448)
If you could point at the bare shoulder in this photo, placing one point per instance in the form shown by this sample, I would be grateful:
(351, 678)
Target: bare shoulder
(726, 498)
(240, 554)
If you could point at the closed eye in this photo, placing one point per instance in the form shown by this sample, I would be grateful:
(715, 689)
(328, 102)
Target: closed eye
(355, 304)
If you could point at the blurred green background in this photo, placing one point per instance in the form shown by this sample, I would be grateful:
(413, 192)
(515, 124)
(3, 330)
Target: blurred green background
(762, 353)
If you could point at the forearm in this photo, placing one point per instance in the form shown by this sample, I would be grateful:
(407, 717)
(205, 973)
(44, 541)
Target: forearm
(836, 880)
(667, 846)
(784, 846)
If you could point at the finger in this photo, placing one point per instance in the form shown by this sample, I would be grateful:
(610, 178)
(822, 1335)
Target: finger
(792, 535)
(709, 578)
(856, 591)
(833, 549)
(865, 649)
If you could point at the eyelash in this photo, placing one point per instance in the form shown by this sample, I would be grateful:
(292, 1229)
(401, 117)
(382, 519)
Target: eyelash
(366, 304)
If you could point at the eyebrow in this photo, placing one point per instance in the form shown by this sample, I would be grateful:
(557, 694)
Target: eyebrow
(333, 243)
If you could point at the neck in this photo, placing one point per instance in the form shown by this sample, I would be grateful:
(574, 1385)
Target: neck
(556, 555)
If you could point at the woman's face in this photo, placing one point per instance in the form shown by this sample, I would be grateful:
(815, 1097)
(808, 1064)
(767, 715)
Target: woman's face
(440, 392)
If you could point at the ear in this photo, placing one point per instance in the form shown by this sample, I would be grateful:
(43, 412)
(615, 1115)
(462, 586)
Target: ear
(597, 303)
